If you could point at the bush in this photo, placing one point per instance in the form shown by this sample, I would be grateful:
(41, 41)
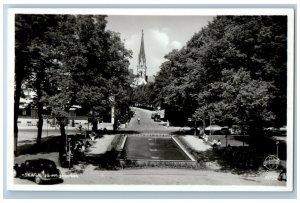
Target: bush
(109, 160)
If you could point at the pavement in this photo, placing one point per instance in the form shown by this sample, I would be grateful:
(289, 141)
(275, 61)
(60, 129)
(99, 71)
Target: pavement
(101, 145)
(195, 143)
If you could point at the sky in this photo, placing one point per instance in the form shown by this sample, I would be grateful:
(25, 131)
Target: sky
(162, 34)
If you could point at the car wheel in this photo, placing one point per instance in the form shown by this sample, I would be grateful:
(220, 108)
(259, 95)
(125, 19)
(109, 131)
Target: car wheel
(37, 180)
(15, 173)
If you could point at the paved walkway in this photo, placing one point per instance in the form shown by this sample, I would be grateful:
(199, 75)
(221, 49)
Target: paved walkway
(195, 143)
(101, 145)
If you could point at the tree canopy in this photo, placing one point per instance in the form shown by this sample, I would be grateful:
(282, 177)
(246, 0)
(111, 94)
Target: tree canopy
(233, 70)
(71, 60)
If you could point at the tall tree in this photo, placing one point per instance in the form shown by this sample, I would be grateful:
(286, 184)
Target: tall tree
(31, 61)
(228, 69)
(105, 71)
(23, 33)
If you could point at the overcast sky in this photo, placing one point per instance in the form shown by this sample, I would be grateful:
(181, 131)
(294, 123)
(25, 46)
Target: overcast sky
(161, 35)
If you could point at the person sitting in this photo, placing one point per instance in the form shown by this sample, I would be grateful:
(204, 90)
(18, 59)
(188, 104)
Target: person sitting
(219, 144)
(216, 144)
(93, 135)
(205, 138)
(282, 175)
(80, 127)
(82, 150)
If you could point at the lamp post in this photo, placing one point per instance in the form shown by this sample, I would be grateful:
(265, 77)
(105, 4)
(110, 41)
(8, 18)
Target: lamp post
(277, 143)
(47, 134)
(195, 131)
(210, 133)
(211, 117)
(112, 101)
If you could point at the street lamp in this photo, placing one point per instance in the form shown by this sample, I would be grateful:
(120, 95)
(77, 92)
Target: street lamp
(47, 134)
(277, 143)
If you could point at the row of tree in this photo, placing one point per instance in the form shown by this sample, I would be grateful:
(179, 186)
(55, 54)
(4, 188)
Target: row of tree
(234, 71)
(70, 60)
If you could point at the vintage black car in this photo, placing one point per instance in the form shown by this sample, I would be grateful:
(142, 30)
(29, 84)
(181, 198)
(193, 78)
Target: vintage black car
(38, 170)
(157, 118)
(153, 115)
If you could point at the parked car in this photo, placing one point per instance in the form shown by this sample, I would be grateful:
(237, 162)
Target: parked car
(38, 170)
(153, 115)
(157, 118)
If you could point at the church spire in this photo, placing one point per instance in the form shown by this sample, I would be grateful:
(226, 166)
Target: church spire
(142, 55)
(142, 67)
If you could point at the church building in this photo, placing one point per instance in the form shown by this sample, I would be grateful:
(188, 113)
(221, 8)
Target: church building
(142, 77)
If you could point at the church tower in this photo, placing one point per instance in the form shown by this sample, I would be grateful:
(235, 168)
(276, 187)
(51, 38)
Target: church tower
(142, 67)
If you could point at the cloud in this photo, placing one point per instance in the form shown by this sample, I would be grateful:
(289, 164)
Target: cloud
(157, 45)
(175, 45)
(160, 39)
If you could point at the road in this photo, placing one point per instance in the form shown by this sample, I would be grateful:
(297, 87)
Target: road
(26, 136)
(147, 125)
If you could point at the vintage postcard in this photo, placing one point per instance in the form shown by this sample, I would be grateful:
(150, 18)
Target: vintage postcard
(150, 99)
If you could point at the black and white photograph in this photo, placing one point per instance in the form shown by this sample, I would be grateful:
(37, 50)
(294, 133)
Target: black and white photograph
(151, 99)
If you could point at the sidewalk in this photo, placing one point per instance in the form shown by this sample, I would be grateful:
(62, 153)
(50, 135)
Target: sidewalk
(195, 143)
(101, 145)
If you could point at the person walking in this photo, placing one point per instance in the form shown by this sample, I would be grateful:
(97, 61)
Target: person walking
(139, 120)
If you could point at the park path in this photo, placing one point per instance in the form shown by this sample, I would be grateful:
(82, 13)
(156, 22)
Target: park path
(101, 145)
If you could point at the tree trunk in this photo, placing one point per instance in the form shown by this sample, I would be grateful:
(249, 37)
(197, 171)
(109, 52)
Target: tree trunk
(40, 117)
(255, 134)
(62, 132)
(204, 125)
(95, 125)
(16, 138)
(40, 124)
(16, 113)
